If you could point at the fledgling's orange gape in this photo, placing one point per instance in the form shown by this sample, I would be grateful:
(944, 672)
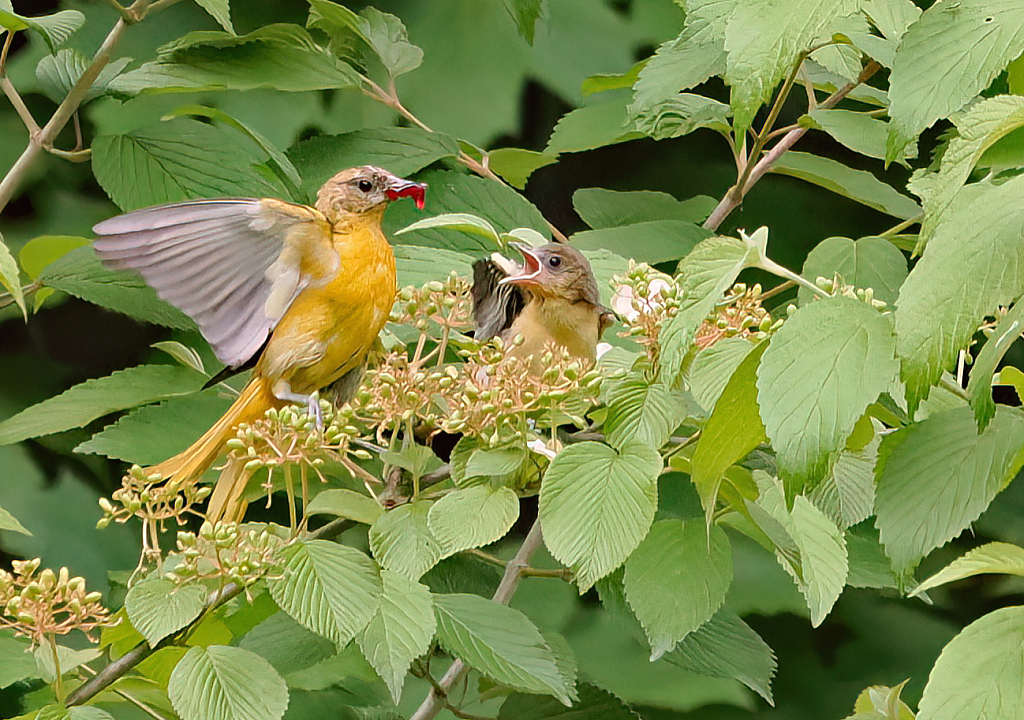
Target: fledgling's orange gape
(310, 287)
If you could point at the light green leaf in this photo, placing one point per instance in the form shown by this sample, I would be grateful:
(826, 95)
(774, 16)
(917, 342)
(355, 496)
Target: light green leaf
(946, 59)
(499, 642)
(871, 262)
(973, 263)
(10, 523)
(400, 631)
(382, 33)
(644, 412)
(725, 646)
(705, 274)
(218, 682)
(979, 387)
(681, 115)
(823, 558)
(158, 607)
(596, 505)
(677, 579)
(79, 712)
(332, 589)
(526, 13)
(80, 273)
(994, 557)
(869, 565)
(95, 398)
(651, 242)
(55, 29)
(859, 132)
(677, 65)
(67, 660)
(59, 72)
(472, 517)
(516, 165)
(825, 365)
(16, 661)
(891, 17)
(936, 477)
(183, 354)
(966, 683)
(152, 433)
(847, 495)
(419, 265)
(733, 430)
(603, 82)
(712, 367)
(401, 540)
(10, 277)
(494, 463)
(175, 161)
(979, 128)
(593, 704)
(858, 185)
(346, 504)
(457, 221)
(220, 10)
(286, 644)
(602, 208)
(590, 127)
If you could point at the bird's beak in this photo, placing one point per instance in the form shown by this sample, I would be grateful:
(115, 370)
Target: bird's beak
(529, 272)
(400, 188)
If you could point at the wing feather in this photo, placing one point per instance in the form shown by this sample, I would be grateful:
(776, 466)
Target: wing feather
(232, 264)
(495, 307)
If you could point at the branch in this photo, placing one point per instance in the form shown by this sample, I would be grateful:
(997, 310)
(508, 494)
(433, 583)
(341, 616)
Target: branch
(435, 701)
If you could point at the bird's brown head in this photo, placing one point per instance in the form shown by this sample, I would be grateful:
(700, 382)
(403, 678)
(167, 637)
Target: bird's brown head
(363, 189)
(555, 270)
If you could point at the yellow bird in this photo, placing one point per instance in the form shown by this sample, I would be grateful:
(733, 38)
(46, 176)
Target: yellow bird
(551, 299)
(301, 291)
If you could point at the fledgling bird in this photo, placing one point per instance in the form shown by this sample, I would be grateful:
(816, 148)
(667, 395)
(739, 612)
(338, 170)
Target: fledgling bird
(551, 299)
(301, 291)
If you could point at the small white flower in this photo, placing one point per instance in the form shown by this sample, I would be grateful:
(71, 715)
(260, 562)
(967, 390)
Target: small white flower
(540, 448)
(626, 305)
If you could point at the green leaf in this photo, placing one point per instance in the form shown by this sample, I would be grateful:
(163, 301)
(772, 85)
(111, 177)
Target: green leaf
(10, 277)
(10, 523)
(731, 433)
(402, 151)
(823, 558)
(871, 262)
(602, 208)
(516, 166)
(677, 579)
(346, 504)
(499, 642)
(644, 412)
(457, 221)
(603, 82)
(158, 607)
(725, 646)
(678, 65)
(763, 40)
(859, 132)
(153, 433)
(590, 127)
(979, 128)
(220, 10)
(59, 72)
(381, 33)
(418, 265)
(681, 115)
(16, 661)
(979, 387)
(55, 29)
(79, 712)
(332, 589)
(218, 683)
(175, 161)
(869, 565)
(705, 274)
(973, 263)
(596, 505)
(494, 463)
(994, 557)
(593, 704)
(286, 645)
(966, 683)
(80, 273)
(401, 540)
(526, 13)
(934, 478)
(847, 495)
(825, 365)
(651, 242)
(282, 57)
(858, 185)
(472, 517)
(95, 398)
(712, 367)
(400, 631)
(946, 59)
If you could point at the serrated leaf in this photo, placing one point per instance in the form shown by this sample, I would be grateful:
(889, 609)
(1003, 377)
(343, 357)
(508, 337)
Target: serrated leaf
(869, 565)
(381, 34)
(401, 540)
(331, 589)
(10, 277)
(934, 478)
(217, 683)
(602, 208)
(55, 29)
(994, 557)
(825, 365)
(725, 646)
(80, 273)
(965, 683)
(516, 165)
(677, 579)
(400, 631)
(10, 523)
(596, 505)
(847, 495)
(823, 558)
(859, 132)
(870, 262)
(644, 412)
(979, 387)
(95, 398)
(858, 185)
(651, 242)
(457, 221)
(494, 463)
(220, 10)
(286, 645)
(79, 712)
(418, 265)
(158, 607)
(590, 127)
(676, 65)
(59, 72)
(946, 58)
(472, 517)
(347, 504)
(499, 642)
(593, 704)
(973, 263)
(712, 367)
(704, 275)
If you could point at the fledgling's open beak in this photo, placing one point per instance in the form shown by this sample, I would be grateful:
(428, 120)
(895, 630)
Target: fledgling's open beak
(530, 270)
(400, 188)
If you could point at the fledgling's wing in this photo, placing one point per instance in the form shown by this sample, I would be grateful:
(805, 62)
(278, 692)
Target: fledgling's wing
(233, 265)
(495, 307)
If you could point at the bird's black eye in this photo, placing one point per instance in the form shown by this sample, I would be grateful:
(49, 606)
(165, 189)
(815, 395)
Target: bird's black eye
(365, 186)
(554, 261)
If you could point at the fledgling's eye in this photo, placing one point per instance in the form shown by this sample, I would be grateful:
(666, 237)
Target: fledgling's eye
(365, 186)
(554, 261)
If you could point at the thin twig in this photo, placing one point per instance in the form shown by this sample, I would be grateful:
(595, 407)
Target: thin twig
(777, 290)
(900, 227)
